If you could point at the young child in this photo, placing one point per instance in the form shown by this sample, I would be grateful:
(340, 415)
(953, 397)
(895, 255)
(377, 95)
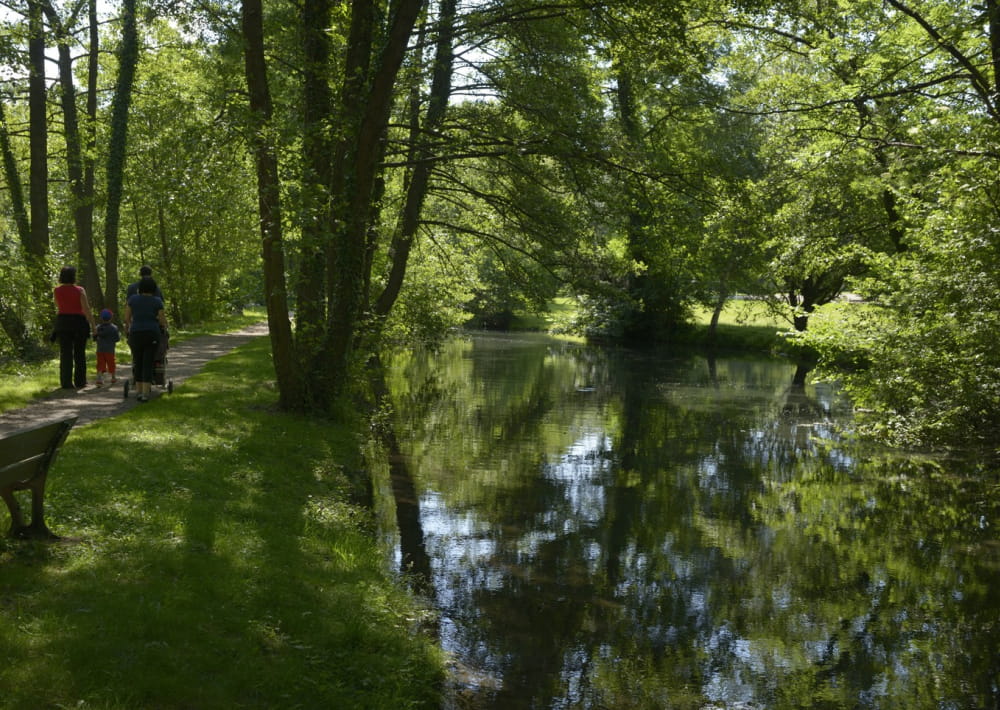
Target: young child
(106, 337)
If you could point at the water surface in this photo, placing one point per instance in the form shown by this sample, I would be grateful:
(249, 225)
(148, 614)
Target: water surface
(608, 528)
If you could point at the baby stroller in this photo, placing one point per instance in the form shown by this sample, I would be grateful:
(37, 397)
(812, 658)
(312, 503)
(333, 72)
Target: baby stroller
(159, 367)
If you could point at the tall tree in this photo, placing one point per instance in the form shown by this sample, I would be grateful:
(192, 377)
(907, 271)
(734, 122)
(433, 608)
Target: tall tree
(128, 58)
(317, 167)
(421, 154)
(38, 247)
(11, 323)
(326, 330)
(368, 92)
(77, 161)
(262, 139)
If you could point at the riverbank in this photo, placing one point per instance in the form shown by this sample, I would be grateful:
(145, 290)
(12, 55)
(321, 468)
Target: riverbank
(212, 557)
(744, 326)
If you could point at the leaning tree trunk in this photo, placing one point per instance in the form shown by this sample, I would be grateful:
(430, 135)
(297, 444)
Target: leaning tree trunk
(14, 186)
(366, 127)
(416, 192)
(11, 323)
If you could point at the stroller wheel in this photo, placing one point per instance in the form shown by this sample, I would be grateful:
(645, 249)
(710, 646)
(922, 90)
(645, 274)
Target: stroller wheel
(125, 389)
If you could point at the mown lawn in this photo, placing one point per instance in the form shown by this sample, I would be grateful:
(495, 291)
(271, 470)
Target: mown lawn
(212, 558)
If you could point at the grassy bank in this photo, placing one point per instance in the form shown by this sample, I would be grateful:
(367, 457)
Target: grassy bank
(212, 559)
(751, 326)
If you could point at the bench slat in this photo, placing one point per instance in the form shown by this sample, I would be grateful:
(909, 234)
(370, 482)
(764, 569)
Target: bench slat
(21, 471)
(13, 445)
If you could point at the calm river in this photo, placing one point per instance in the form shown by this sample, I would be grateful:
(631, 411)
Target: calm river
(606, 528)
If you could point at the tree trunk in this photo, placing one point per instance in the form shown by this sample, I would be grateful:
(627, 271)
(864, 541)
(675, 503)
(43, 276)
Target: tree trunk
(269, 206)
(83, 201)
(13, 180)
(128, 58)
(420, 179)
(357, 70)
(38, 246)
(347, 258)
(713, 327)
(316, 183)
(93, 68)
(165, 258)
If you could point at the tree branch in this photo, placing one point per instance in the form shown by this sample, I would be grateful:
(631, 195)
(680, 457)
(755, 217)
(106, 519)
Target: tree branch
(979, 81)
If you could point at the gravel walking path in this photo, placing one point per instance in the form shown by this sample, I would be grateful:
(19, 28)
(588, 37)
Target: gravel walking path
(90, 403)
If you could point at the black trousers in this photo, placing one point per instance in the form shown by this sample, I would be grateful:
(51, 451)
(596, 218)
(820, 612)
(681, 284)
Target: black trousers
(72, 336)
(143, 344)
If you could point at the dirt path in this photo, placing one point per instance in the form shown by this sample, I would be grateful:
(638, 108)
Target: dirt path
(183, 361)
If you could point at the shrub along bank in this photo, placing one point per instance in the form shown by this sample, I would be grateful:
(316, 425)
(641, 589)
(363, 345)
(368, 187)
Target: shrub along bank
(212, 559)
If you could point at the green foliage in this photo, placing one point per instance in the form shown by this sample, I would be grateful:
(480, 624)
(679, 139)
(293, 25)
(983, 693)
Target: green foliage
(18, 295)
(213, 558)
(432, 303)
(884, 188)
(643, 158)
(192, 208)
(933, 368)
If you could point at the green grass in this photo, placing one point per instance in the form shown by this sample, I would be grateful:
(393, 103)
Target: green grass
(225, 324)
(750, 326)
(756, 326)
(22, 382)
(561, 311)
(743, 326)
(744, 313)
(212, 558)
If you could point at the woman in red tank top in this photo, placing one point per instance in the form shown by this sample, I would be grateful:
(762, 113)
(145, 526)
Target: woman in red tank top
(74, 324)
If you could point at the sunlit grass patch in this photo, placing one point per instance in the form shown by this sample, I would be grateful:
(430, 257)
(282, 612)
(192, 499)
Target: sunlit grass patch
(230, 322)
(755, 325)
(753, 313)
(560, 313)
(22, 382)
(212, 559)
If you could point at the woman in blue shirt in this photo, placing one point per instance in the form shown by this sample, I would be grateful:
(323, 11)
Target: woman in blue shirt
(145, 322)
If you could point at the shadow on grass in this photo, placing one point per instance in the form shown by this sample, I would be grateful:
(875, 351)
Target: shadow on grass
(212, 561)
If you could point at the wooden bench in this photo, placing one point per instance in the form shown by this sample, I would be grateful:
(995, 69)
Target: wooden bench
(25, 457)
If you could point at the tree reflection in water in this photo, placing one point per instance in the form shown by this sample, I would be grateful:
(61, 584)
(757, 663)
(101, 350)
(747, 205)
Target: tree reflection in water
(613, 529)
